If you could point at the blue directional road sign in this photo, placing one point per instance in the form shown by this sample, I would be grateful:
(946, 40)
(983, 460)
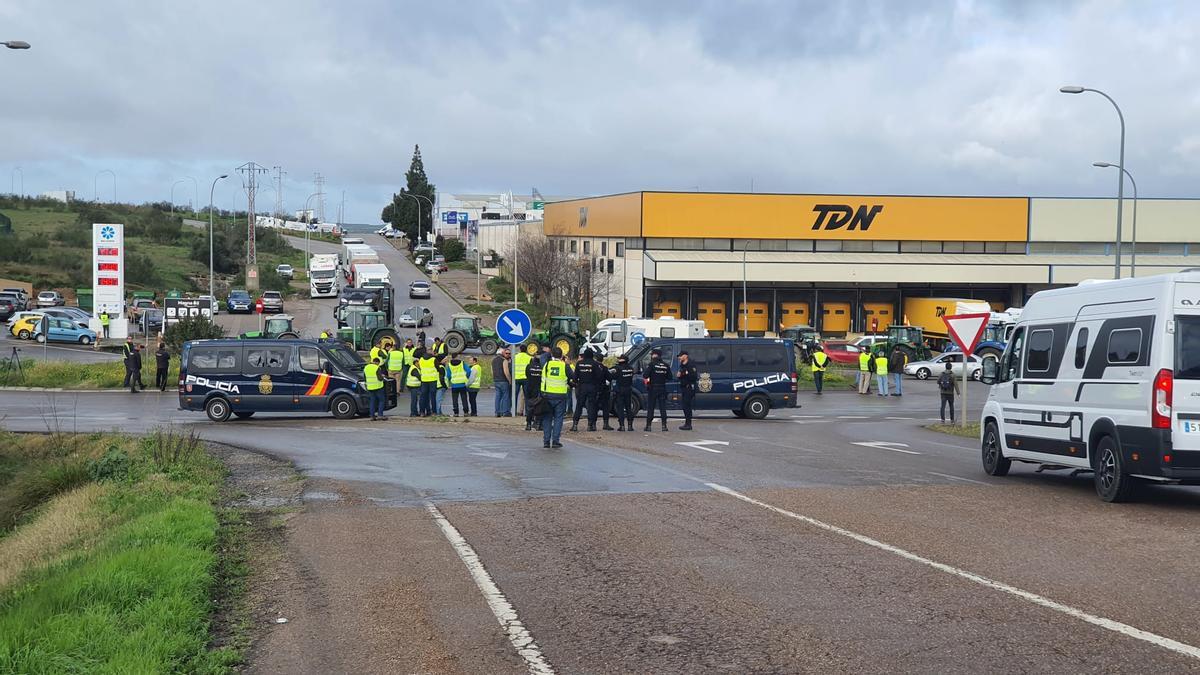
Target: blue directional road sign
(514, 326)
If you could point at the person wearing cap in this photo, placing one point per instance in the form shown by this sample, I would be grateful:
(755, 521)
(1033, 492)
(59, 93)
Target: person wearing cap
(622, 376)
(657, 374)
(688, 377)
(556, 382)
(585, 389)
(818, 361)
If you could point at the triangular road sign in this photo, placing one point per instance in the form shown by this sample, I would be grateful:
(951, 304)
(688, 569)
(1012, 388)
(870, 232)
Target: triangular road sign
(966, 329)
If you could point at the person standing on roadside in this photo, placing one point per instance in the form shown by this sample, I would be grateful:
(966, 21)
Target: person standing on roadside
(896, 363)
(127, 350)
(162, 366)
(373, 376)
(413, 380)
(688, 377)
(947, 388)
(656, 375)
(429, 382)
(603, 394)
(864, 371)
(585, 390)
(556, 382)
(442, 384)
(133, 367)
(502, 380)
(533, 389)
(622, 377)
(457, 374)
(881, 370)
(105, 319)
(396, 367)
(474, 382)
(818, 361)
(520, 370)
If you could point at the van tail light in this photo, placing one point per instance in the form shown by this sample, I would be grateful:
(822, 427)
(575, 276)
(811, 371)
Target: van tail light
(1160, 402)
(795, 381)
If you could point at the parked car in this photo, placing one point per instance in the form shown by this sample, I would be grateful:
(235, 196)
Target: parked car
(841, 351)
(140, 305)
(285, 270)
(50, 299)
(69, 313)
(272, 301)
(392, 233)
(8, 308)
(923, 370)
(419, 261)
(151, 321)
(415, 317)
(869, 341)
(22, 314)
(18, 298)
(216, 306)
(65, 330)
(419, 289)
(25, 327)
(239, 301)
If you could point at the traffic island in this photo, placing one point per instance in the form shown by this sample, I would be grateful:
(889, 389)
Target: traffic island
(970, 430)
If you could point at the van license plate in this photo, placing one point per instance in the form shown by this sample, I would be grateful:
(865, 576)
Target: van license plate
(1190, 427)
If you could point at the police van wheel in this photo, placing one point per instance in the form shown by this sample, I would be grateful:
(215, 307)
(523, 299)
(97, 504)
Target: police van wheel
(994, 463)
(1112, 483)
(244, 415)
(217, 409)
(343, 407)
(923, 374)
(756, 407)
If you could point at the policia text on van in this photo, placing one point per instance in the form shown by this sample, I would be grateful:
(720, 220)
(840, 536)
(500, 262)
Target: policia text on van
(239, 377)
(1101, 377)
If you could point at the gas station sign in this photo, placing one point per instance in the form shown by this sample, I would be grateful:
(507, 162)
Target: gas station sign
(108, 278)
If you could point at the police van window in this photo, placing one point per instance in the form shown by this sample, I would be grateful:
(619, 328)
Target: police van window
(349, 361)
(759, 358)
(213, 360)
(1040, 344)
(1187, 347)
(1081, 348)
(1012, 358)
(1124, 345)
(272, 360)
(715, 357)
(312, 360)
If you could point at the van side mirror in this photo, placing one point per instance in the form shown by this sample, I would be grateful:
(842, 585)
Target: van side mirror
(991, 371)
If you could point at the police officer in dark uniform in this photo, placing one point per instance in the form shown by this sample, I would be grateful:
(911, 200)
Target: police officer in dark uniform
(533, 389)
(688, 377)
(622, 376)
(657, 374)
(585, 389)
(603, 394)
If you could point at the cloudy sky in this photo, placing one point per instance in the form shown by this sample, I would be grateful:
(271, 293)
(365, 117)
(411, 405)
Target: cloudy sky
(885, 97)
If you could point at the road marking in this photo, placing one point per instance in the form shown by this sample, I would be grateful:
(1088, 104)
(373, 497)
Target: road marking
(897, 418)
(1042, 601)
(965, 480)
(703, 445)
(517, 634)
(806, 416)
(492, 455)
(887, 445)
(853, 417)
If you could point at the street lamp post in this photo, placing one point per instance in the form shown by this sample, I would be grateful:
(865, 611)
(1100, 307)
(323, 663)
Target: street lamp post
(212, 298)
(195, 193)
(1133, 252)
(16, 170)
(96, 184)
(1120, 165)
(181, 180)
(307, 229)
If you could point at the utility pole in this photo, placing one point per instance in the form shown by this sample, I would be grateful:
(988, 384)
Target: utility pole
(319, 182)
(250, 172)
(279, 174)
(342, 210)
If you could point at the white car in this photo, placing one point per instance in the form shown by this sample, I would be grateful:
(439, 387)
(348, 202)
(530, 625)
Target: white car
(50, 299)
(22, 314)
(216, 306)
(285, 270)
(923, 370)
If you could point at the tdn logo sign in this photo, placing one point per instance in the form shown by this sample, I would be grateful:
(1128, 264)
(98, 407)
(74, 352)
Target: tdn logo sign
(837, 216)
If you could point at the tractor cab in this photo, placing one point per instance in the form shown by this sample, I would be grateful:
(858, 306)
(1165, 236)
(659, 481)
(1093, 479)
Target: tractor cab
(564, 324)
(910, 340)
(276, 327)
(366, 328)
(467, 324)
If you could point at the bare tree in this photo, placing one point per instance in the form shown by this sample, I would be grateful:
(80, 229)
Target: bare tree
(541, 266)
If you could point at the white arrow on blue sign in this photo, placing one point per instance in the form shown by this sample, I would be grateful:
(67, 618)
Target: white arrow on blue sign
(514, 326)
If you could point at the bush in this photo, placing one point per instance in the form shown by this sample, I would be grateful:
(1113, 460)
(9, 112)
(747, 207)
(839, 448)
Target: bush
(113, 465)
(140, 270)
(191, 328)
(454, 250)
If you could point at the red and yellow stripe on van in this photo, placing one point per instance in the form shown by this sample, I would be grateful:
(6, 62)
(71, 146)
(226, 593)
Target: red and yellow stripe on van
(319, 387)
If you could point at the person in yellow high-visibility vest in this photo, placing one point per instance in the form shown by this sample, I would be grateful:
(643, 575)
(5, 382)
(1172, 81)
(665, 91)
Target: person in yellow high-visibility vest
(474, 382)
(556, 384)
(395, 367)
(413, 381)
(881, 371)
(864, 371)
(458, 373)
(521, 361)
(375, 391)
(819, 361)
(429, 382)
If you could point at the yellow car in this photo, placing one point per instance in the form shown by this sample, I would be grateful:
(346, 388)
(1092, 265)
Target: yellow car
(24, 328)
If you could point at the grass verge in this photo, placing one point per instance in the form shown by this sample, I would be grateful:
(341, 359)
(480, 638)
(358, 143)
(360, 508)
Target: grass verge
(110, 545)
(971, 430)
(68, 375)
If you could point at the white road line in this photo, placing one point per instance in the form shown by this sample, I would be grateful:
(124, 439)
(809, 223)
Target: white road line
(520, 638)
(1042, 601)
(886, 445)
(853, 417)
(965, 480)
(897, 418)
(703, 445)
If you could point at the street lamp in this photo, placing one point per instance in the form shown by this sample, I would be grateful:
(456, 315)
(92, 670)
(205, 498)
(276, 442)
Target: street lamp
(307, 228)
(212, 298)
(96, 185)
(16, 44)
(1120, 165)
(1133, 254)
(181, 180)
(12, 179)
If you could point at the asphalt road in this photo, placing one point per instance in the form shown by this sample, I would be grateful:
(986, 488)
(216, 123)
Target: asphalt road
(28, 349)
(840, 536)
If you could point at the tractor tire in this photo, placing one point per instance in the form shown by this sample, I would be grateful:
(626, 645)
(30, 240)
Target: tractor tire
(488, 346)
(988, 353)
(289, 335)
(566, 343)
(910, 354)
(532, 348)
(455, 342)
(386, 337)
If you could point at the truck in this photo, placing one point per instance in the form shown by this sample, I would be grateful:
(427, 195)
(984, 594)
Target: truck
(372, 299)
(366, 274)
(322, 275)
(927, 313)
(352, 252)
(614, 337)
(995, 336)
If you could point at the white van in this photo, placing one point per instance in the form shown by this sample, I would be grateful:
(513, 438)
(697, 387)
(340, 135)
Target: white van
(1102, 377)
(610, 337)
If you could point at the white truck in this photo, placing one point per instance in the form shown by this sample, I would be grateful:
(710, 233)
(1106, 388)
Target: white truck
(322, 275)
(365, 274)
(614, 337)
(357, 254)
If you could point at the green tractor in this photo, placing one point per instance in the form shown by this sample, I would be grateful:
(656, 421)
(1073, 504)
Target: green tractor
(278, 326)
(365, 328)
(910, 340)
(465, 332)
(563, 333)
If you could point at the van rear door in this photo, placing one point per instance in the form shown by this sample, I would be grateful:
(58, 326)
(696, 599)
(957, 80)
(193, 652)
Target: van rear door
(1185, 395)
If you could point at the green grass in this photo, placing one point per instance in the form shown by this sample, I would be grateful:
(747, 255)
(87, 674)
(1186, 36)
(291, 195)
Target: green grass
(68, 375)
(834, 377)
(133, 593)
(971, 430)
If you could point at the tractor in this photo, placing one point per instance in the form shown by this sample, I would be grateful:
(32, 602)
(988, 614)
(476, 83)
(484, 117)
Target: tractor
(278, 326)
(907, 339)
(563, 333)
(365, 328)
(465, 331)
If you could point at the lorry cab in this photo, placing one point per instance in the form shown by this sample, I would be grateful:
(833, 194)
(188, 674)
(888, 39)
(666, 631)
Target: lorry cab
(242, 377)
(749, 377)
(1103, 378)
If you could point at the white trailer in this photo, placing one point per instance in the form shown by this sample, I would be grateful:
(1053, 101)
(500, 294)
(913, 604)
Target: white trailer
(363, 275)
(614, 337)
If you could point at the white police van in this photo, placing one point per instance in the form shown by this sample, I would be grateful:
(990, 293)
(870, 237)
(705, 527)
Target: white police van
(1102, 377)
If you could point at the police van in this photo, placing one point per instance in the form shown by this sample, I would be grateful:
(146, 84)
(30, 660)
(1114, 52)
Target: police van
(1103, 377)
(242, 377)
(749, 376)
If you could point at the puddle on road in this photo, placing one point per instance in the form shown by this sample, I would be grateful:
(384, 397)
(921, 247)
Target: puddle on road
(320, 496)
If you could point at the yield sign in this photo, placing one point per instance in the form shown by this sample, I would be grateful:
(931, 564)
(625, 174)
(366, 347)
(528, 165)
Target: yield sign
(966, 329)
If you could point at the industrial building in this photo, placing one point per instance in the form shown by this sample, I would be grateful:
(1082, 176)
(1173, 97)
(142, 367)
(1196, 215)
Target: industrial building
(849, 263)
